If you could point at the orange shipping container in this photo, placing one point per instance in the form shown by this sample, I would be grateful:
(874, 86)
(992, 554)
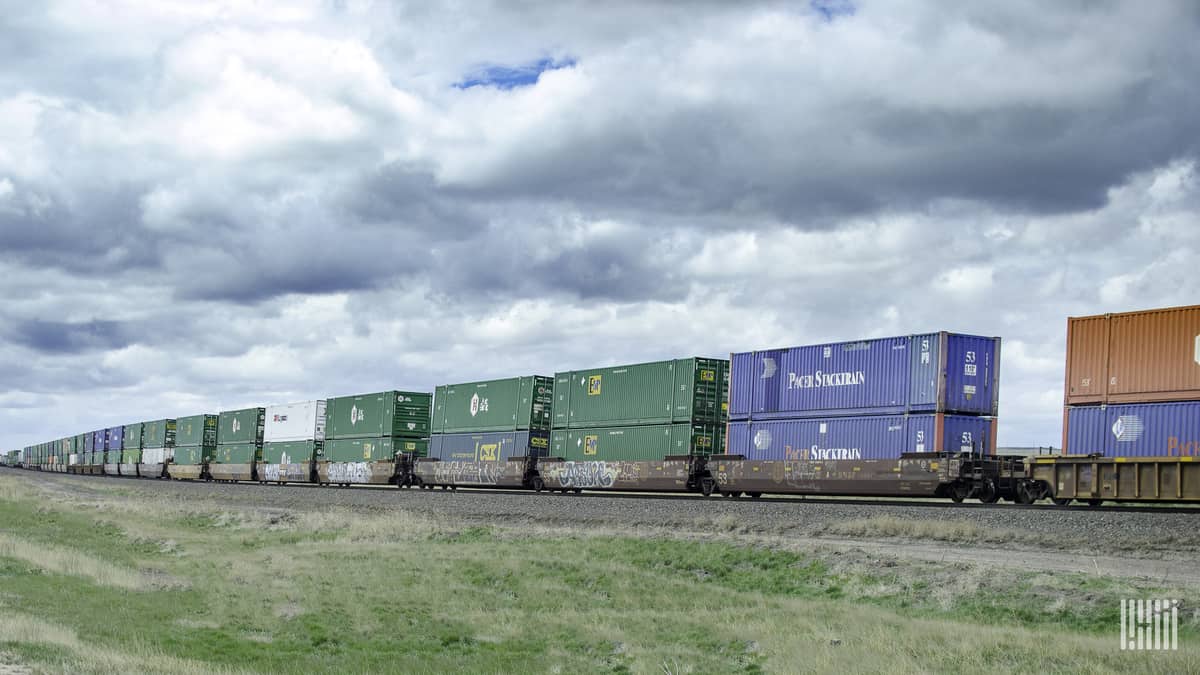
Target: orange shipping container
(1135, 357)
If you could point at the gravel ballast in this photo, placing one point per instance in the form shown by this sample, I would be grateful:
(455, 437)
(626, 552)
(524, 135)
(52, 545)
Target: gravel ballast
(1146, 531)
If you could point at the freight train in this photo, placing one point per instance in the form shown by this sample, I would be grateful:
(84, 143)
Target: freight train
(907, 416)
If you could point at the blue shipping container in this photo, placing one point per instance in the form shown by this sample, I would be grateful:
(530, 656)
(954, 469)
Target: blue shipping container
(492, 446)
(856, 438)
(935, 372)
(1134, 430)
(98, 440)
(114, 438)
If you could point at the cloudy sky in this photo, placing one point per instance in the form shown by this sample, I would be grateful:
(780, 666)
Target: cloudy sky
(207, 205)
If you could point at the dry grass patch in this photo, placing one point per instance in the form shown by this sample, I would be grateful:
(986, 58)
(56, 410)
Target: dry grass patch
(62, 560)
(92, 658)
(946, 530)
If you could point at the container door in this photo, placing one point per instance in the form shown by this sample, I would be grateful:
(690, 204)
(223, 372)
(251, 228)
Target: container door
(769, 381)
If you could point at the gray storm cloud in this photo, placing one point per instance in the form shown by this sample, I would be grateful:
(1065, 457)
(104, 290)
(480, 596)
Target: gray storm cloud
(205, 206)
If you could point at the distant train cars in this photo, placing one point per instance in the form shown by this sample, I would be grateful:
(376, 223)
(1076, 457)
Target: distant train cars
(906, 416)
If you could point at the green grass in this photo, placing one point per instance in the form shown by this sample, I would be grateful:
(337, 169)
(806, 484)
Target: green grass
(205, 587)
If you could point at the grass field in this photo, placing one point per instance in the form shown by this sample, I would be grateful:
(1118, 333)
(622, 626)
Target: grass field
(114, 583)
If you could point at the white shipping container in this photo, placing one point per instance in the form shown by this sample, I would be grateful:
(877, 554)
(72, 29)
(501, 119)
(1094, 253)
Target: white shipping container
(154, 455)
(304, 421)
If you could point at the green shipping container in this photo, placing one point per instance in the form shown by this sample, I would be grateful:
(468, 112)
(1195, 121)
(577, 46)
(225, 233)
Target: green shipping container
(296, 452)
(193, 454)
(241, 426)
(237, 453)
(512, 404)
(389, 413)
(162, 433)
(373, 449)
(633, 443)
(662, 392)
(133, 436)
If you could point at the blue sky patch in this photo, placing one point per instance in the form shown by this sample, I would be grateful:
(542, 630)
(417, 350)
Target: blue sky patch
(830, 10)
(511, 77)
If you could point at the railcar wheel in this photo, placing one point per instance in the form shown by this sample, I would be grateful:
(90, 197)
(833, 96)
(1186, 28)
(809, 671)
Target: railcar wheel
(958, 492)
(754, 495)
(1021, 494)
(578, 491)
(1061, 501)
(1095, 502)
(988, 494)
(537, 484)
(707, 486)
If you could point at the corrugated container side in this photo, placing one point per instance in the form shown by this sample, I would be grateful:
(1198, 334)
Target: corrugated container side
(1134, 357)
(508, 404)
(373, 449)
(489, 446)
(1134, 430)
(858, 438)
(1155, 356)
(645, 393)
(647, 442)
(191, 430)
(241, 426)
(183, 454)
(935, 372)
(389, 413)
(133, 436)
(301, 421)
(290, 452)
(238, 453)
(114, 438)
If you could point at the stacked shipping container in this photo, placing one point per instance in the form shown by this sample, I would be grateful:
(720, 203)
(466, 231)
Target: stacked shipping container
(635, 426)
(239, 444)
(866, 399)
(131, 453)
(1133, 384)
(182, 447)
(365, 433)
(293, 438)
(492, 420)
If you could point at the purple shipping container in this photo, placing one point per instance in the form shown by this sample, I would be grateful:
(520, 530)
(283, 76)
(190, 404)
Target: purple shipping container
(935, 372)
(1134, 430)
(98, 441)
(114, 438)
(855, 438)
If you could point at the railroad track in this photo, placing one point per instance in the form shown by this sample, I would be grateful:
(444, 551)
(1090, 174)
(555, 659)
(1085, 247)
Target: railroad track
(770, 499)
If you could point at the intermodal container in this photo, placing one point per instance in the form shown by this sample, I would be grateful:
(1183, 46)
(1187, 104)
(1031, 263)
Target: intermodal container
(290, 452)
(303, 421)
(511, 404)
(237, 453)
(161, 432)
(934, 372)
(494, 446)
(192, 430)
(114, 438)
(1134, 357)
(241, 426)
(856, 438)
(372, 449)
(389, 413)
(646, 442)
(133, 437)
(182, 454)
(661, 392)
(1133, 430)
